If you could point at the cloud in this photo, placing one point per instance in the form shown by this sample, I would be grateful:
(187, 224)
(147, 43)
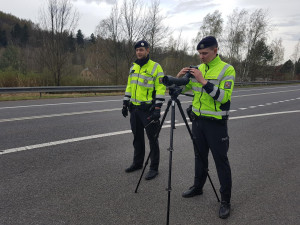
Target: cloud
(290, 21)
(191, 6)
(110, 2)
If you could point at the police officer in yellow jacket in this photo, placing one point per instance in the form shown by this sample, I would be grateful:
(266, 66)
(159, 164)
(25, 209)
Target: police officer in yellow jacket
(212, 88)
(144, 97)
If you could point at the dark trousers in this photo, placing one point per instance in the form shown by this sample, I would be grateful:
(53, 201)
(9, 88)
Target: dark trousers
(138, 121)
(213, 135)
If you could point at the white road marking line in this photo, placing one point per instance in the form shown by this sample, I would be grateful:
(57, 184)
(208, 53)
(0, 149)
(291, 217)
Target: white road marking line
(259, 89)
(169, 121)
(57, 115)
(54, 104)
(252, 107)
(97, 111)
(74, 103)
(11, 150)
(265, 93)
(232, 110)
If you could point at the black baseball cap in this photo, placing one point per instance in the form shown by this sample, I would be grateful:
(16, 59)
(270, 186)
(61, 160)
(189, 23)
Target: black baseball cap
(206, 42)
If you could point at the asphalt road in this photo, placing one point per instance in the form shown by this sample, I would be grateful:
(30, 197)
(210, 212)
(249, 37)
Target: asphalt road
(62, 161)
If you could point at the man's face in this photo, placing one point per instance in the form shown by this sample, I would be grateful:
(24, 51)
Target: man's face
(207, 54)
(141, 52)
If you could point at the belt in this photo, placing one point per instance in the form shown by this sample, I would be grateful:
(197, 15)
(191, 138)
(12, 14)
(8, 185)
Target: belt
(141, 107)
(223, 121)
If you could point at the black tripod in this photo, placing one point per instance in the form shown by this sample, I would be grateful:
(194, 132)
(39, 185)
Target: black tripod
(174, 92)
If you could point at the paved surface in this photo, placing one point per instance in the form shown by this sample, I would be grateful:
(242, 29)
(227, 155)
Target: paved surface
(62, 161)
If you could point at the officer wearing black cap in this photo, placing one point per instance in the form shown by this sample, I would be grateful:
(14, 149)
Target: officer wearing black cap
(212, 87)
(144, 97)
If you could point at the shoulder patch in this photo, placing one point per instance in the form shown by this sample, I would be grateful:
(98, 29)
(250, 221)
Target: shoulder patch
(227, 85)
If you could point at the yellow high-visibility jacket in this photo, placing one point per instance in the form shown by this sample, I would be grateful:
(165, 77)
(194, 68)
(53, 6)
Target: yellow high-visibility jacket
(213, 99)
(142, 81)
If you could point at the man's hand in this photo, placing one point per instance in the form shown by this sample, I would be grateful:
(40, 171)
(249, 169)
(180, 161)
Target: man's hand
(125, 111)
(125, 108)
(198, 75)
(182, 72)
(155, 114)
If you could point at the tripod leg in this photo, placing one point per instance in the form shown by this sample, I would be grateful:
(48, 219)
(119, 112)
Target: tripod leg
(169, 189)
(156, 137)
(195, 144)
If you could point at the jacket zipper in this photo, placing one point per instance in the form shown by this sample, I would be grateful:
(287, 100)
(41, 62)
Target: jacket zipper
(202, 87)
(137, 83)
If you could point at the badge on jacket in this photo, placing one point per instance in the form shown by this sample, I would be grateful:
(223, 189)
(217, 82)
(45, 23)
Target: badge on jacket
(227, 85)
(145, 81)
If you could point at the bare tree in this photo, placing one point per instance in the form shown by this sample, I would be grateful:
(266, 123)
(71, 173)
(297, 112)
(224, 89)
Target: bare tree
(59, 19)
(133, 26)
(212, 24)
(278, 52)
(156, 32)
(295, 56)
(109, 45)
(235, 34)
(257, 30)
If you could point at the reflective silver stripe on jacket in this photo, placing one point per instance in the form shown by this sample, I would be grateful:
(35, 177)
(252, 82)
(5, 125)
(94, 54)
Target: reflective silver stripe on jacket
(154, 68)
(199, 89)
(126, 98)
(141, 83)
(228, 78)
(221, 96)
(135, 100)
(128, 93)
(194, 80)
(160, 74)
(215, 82)
(131, 69)
(223, 71)
(159, 96)
(158, 101)
(142, 76)
(214, 92)
(220, 113)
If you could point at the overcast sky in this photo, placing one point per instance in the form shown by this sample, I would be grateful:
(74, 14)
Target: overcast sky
(185, 15)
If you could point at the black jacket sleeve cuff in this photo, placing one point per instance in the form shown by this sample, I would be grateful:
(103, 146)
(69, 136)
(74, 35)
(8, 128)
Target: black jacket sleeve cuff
(209, 87)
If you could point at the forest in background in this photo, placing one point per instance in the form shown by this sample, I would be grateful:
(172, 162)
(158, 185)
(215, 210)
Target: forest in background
(56, 53)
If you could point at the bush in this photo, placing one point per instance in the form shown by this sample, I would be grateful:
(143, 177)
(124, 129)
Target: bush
(12, 78)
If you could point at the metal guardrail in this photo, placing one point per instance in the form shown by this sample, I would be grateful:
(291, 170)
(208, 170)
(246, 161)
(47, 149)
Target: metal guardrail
(95, 89)
(60, 89)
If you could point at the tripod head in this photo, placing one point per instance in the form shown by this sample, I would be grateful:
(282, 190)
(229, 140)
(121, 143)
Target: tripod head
(175, 91)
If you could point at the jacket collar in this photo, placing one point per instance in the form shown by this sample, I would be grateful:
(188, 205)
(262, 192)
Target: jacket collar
(143, 61)
(214, 62)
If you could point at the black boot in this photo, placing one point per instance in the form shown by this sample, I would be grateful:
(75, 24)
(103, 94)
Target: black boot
(133, 168)
(224, 211)
(193, 191)
(151, 174)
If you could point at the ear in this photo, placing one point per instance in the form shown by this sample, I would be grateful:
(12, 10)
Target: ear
(215, 50)
(148, 50)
